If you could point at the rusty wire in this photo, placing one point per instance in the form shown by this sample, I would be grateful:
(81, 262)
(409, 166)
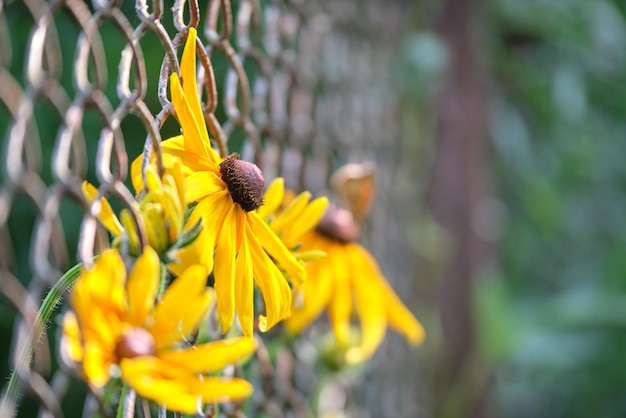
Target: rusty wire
(277, 54)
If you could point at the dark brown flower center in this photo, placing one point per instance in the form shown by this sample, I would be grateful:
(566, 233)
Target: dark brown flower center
(244, 180)
(134, 343)
(339, 225)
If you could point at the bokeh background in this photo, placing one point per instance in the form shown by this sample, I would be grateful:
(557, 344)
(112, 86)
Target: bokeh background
(498, 129)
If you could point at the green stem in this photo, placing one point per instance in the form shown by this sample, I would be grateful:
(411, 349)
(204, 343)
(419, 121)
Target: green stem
(126, 407)
(9, 400)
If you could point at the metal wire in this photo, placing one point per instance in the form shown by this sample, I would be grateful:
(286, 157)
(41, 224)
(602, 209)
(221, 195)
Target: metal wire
(278, 79)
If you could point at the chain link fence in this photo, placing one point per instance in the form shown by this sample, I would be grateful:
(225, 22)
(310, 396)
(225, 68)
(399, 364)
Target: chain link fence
(299, 87)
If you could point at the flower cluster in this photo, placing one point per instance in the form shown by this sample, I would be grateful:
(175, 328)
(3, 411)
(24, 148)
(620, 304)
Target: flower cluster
(212, 228)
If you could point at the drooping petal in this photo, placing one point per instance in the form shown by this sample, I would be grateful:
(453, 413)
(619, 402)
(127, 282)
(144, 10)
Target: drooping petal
(306, 221)
(141, 286)
(275, 247)
(244, 289)
(370, 307)
(182, 307)
(272, 198)
(211, 357)
(317, 291)
(107, 217)
(402, 320)
(161, 382)
(225, 254)
(399, 317)
(273, 285)
(340, 307)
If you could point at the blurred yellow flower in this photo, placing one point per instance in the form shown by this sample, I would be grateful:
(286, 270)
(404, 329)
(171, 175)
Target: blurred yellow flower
(162, 208)
(115, 329)
(235, 243)
(291, 216)
(348, 279)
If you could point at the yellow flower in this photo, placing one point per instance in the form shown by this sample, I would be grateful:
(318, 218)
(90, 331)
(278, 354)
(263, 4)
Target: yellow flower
(235, 243)
(162, 209)
(116, 329)
(348, 279)
(291, 216)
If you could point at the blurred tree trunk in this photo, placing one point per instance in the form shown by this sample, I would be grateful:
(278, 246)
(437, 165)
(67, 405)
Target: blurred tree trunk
(459, 181)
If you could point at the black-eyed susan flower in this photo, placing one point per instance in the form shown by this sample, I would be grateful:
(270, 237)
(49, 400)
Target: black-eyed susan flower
(162, 208)
(346, 281)
(116, 329)
(235, 243)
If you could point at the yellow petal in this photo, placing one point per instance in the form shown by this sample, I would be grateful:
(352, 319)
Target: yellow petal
(194, 130)
(188, 71)
(399, 317)
(106, 216)
(275, 247)
(222, 389)
(272, 198)
(272, 283)
(317, 292)
(182, 307)
(307, 220)
(340, 307)
(173, 152)
(212, 211)
(161, 382)
(211, 357)
(225, 253)
(131, 229)
(142, 285)
(103, 285)
(402, 320)
(176, 171)
(202, 184)
(291, 214)
(155, 223)
(244, 289)
(152, 178)
(96, 364)
(71, 347)
(372, 312)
